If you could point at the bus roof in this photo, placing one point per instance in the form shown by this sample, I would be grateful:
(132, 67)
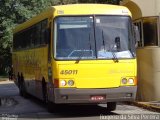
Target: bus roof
(75, 9)
(83, 9)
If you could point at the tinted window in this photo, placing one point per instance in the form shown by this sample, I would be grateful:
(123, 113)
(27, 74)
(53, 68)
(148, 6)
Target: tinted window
(33, 36)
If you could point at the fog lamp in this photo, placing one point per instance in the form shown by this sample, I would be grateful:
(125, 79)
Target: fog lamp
(124, 81)
(70, 82)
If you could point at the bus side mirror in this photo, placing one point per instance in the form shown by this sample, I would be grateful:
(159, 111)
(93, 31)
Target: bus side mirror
(137, 35)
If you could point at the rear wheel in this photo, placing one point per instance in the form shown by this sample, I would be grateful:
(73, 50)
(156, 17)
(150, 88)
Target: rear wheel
(20, 90)
(22, 87)
(111, 106)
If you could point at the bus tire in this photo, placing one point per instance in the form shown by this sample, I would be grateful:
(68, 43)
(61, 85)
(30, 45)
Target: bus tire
(44, 91)
(51, 107)
(111, 106)
(23, 91)
(20, 90)
(18, 80)
(19, 85)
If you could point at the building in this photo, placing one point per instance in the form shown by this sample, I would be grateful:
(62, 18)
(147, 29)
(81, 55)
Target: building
(146, 15)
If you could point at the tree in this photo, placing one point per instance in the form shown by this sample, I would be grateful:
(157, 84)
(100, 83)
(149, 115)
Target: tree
(14, 12)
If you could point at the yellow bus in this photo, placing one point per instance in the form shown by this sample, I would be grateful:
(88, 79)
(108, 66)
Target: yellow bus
(77, 54)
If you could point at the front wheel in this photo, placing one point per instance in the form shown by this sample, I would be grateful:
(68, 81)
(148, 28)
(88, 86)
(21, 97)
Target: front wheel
(44, 91)
(111, 106)
(52, 107)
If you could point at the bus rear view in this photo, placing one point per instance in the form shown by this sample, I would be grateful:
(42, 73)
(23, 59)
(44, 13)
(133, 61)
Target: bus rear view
(94, 56)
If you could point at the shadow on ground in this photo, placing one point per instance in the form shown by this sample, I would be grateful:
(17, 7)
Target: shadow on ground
(68, 111)
(23, 111)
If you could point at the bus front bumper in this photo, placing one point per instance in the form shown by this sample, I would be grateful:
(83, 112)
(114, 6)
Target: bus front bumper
(73, 95)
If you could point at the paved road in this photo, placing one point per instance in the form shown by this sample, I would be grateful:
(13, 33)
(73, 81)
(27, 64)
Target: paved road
(35, 109)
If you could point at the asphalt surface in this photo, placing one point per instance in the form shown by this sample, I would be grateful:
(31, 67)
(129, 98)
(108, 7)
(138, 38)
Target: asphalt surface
(15, 107)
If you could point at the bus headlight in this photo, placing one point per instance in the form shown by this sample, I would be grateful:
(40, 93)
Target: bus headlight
(63, 83)
(124, 81)
(130, 81)
(70, 82)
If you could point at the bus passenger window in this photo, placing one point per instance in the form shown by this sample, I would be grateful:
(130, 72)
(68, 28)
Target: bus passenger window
(43, 32)
(38, 34)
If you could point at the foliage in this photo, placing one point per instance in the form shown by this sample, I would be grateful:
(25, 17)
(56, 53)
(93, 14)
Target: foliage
(14, 12)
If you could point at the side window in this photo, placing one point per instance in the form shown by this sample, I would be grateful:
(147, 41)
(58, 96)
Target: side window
(34, 36)
(15, 41)
(38, 34)
(32, 41)
(29, 37)
(43, 32)
(24, 39)
(20, 40)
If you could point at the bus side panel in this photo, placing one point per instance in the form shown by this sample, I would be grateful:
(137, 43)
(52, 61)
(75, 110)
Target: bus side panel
(40, 70)
(32, 64)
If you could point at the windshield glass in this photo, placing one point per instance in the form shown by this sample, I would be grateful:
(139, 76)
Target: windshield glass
(93, 37)
(113, 37)
(75, 38)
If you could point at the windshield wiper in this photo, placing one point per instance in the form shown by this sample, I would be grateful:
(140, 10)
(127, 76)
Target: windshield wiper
(103, 41)
(79, 57)
(90, 46)
(90, 49)
(115, 59)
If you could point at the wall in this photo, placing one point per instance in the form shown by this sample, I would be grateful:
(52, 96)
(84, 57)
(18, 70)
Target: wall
(148, 58)
(158, 7)
(147, 7)
(148, 74)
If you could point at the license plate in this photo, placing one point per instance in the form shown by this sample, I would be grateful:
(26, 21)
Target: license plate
(97, 98)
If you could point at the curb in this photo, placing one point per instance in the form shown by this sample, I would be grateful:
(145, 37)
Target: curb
(146, 105)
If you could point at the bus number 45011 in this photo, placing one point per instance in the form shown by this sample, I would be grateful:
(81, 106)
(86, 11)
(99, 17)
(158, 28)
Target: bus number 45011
(68, 72)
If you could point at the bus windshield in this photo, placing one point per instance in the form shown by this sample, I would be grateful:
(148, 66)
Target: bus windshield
(93, 37)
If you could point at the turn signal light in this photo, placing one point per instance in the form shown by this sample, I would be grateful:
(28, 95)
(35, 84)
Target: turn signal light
(56, 83)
